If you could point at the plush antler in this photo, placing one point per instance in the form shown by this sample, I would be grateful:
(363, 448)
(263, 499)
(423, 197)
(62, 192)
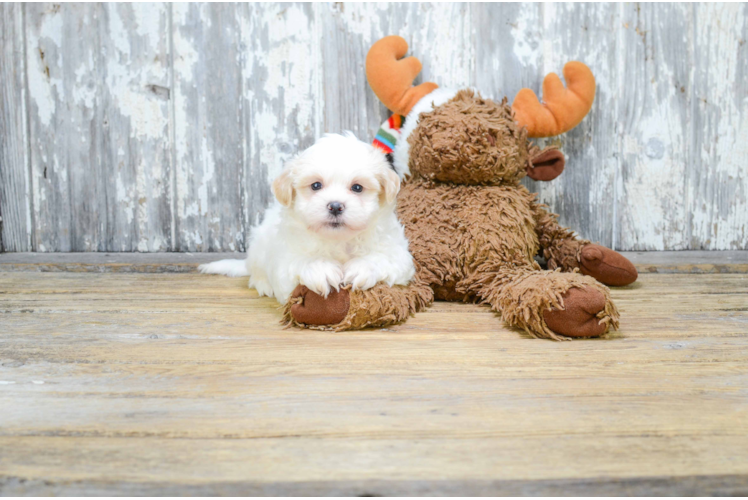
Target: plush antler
(562, 108)
(391, 78)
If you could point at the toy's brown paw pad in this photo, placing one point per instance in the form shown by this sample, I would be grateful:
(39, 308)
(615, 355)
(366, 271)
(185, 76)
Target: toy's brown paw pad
(579, 316)
(606, 266)
(311, 308)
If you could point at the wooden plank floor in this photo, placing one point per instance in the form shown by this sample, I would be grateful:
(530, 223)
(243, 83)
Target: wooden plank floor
(185, 384)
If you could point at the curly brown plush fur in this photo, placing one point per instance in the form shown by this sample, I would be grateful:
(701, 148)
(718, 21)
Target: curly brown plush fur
(559, 246)
(474, 231)
(478, 132)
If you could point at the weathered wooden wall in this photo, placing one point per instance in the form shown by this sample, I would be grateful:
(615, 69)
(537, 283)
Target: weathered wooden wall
(155, 127)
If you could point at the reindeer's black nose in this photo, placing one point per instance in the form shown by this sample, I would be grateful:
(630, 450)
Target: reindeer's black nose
(335, 207)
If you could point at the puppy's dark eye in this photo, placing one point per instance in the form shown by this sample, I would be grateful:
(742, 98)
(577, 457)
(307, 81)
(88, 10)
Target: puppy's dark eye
(357, 188)
(316, 186)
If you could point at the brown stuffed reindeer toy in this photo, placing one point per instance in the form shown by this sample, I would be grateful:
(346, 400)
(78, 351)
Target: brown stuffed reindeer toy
(473, 229)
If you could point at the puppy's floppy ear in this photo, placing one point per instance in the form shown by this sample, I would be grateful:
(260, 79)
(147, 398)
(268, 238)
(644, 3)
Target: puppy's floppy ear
(390, 182)
(283, 186)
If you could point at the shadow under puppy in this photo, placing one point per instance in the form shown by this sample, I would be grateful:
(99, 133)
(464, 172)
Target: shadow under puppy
(333, 225)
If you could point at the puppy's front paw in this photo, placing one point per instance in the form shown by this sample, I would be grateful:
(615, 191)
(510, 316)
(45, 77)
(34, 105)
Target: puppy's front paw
(360, 274)
(321, 276)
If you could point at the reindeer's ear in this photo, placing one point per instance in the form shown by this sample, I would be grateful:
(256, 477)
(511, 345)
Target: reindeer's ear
(283, 187)
(390, 182)
(546, 165)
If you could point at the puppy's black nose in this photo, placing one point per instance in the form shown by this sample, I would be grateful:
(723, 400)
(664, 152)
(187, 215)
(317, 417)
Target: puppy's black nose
(335, 207)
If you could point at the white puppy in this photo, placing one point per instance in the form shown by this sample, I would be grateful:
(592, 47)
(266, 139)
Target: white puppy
(334, 224)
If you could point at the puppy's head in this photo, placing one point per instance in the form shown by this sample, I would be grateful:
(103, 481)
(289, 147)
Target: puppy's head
(338, 187)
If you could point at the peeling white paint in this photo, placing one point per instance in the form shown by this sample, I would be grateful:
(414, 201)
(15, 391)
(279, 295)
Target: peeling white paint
(146, 23)
(40, 48)
(448, 64)
(288, 64)
(653, 201)
(656, 193)
(118, 33)
(720, 215)
(127, 80)
(124, 198)
(209, 167)
(270, 157)
(186, 59)
(668, 151)
(524, 33)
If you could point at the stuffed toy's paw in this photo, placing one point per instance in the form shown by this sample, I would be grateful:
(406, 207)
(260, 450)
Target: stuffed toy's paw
(606, 266)
(580, 317)
(310, 308)
(347, 309)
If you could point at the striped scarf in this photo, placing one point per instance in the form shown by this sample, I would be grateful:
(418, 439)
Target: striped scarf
(388, 133)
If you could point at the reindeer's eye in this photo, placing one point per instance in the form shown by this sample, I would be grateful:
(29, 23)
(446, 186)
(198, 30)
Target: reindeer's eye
(316, 186)
(357, 188)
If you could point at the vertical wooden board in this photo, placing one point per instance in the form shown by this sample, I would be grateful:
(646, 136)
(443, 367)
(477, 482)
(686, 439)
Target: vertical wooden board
(98, 76)
(135, 96)
(654, 115)
(280, 75)
(584, 194)
(508, 48)
(208, 131)
(442, 36)
(64, 111)
(15, 199)
(718, 173)
(346, 31)
(439, 35)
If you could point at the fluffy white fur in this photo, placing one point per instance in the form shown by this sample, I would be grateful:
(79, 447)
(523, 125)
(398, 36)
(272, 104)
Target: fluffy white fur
(301, 241)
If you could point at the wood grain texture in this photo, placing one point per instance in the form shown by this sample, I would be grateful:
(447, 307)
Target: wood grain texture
(66, 167)
(181, 382)
(16, 228)
(518, 29)
(208, 122)
(280, 74)
(158, 127)
(684, 262)
(584, 195)
(345, 34)
(655, 117)
(718, 215)
(98, 86)
(135, 47)
(715, 485)
(15, 200)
